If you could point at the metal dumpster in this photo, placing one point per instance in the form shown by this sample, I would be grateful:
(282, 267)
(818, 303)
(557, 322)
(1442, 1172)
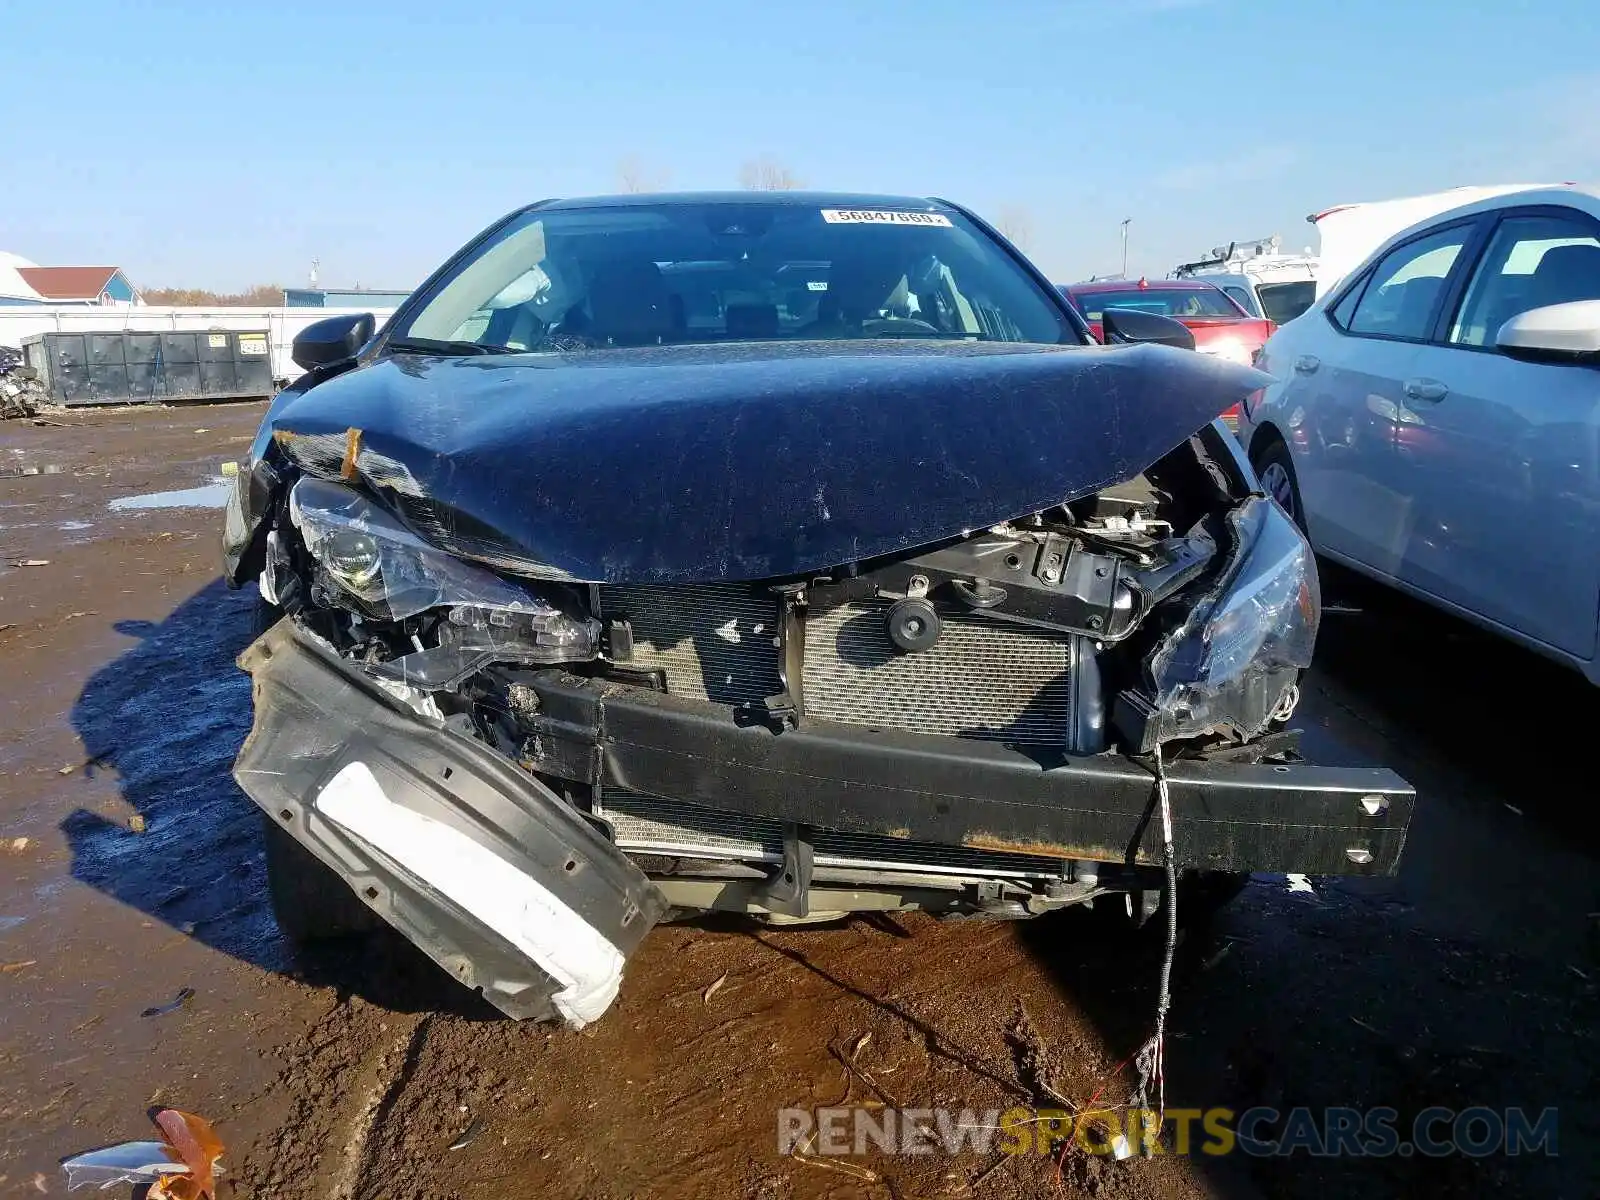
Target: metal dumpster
(132, 367)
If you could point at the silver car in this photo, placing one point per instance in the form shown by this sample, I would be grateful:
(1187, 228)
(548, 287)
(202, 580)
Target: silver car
(1434, 420)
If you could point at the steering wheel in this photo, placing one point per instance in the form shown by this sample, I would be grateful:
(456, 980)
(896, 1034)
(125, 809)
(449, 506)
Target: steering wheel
(898, 327)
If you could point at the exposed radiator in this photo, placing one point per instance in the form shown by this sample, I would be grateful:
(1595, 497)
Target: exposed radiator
(648, 824)
(981, 679)
(714, 641)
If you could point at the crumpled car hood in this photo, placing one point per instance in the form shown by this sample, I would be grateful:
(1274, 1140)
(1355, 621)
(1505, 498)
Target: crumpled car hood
(754, 461)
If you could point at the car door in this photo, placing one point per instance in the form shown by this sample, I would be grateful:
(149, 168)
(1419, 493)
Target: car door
(1504, 477)
(1349, 381)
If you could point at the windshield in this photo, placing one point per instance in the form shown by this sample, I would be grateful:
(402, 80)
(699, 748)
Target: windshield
(723, 271)
(1166, 302)
(1286, 301)
(1241, 296)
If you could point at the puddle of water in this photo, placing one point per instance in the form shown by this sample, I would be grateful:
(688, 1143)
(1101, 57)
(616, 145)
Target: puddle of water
(10, 923)
(73, 526)
(210, 495)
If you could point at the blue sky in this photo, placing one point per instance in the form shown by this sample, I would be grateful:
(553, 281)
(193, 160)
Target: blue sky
(217, 145)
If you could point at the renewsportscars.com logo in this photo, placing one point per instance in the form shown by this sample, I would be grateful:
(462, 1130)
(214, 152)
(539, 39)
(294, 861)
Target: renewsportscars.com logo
(1437, 1132)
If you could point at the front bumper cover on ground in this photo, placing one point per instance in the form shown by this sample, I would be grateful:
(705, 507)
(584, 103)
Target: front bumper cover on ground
(494, 876)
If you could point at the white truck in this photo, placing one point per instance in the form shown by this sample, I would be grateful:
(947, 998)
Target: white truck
(1263, 280)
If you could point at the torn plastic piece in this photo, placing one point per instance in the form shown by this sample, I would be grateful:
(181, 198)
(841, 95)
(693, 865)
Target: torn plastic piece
(183, 1167)
(200, 1149)
(468, 1135)
(160, 1010)
(352, 446)
(131, 1162)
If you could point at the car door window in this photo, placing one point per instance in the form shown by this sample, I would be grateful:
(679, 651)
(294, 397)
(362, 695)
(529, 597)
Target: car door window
(1341, 312)
(1406, 285)
(1532, 261)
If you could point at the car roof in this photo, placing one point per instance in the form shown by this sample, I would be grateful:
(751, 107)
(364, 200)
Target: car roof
(1566, 196)
(775, 199)
(1147, 285)
(1585, 197)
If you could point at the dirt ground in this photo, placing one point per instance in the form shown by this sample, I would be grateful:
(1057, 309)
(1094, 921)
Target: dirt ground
(131, 868)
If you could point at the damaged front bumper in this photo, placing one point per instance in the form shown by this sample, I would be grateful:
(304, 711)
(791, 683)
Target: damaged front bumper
(516, 893)
(1228, 816)
(494, 876)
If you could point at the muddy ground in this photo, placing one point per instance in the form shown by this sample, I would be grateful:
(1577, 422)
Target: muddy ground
(131, 868)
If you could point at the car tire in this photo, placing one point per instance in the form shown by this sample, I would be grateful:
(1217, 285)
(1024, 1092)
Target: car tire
(312, 903)
(1203, 893)
(263, 616)
(1275, 468)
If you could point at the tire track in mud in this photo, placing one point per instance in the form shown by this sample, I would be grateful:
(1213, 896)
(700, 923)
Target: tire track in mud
(676, 1092)
(383, 1090)
(341, 1081)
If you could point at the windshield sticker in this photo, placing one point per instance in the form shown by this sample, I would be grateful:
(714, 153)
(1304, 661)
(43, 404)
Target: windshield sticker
(882, 216)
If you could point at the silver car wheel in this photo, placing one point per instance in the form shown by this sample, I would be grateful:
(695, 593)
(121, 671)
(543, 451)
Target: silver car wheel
(1275, 478)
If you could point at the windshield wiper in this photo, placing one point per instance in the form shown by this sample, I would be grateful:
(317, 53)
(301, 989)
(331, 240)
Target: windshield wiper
(440, 346)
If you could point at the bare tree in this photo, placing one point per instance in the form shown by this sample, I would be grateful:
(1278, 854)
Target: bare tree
(261, 295)
(1015, 223)
(765, 175)
(635, 175)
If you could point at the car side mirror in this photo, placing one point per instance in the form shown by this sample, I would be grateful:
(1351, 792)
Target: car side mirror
(332, 340)
(1123, 325)
(1559, 333)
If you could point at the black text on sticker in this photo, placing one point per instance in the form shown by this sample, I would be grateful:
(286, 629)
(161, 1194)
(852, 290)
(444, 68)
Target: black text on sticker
(882, 216)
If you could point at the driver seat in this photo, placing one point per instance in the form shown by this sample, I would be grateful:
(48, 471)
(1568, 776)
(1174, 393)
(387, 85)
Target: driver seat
(630, 304)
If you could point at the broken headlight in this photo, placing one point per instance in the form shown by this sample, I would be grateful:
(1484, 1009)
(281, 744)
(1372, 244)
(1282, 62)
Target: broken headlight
(1236, 662)
(376, 567)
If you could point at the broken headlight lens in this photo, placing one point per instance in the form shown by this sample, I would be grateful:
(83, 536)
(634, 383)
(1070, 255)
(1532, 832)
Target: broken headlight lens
(1236, 661)
(381, 570)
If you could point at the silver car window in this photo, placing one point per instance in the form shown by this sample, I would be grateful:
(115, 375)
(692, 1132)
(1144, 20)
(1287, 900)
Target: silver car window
(1532, 261)
(1405, 287)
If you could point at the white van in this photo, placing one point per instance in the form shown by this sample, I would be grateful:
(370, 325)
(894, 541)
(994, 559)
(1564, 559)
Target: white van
(1265, 283)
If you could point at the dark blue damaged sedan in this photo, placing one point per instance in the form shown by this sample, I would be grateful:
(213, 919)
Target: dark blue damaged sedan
(787, 554)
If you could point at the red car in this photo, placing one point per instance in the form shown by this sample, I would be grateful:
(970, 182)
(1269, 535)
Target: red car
(1219, 324)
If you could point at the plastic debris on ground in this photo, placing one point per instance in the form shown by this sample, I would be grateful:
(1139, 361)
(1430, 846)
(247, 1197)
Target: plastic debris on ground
(183, 997)
(468, 1135)
(131, 1162)
(182, 1166)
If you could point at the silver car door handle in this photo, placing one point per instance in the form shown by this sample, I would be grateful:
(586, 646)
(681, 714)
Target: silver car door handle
(1425, 389)
(1307, 363)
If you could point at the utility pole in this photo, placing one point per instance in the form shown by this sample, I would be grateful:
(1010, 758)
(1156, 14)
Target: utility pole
(1125, 222)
